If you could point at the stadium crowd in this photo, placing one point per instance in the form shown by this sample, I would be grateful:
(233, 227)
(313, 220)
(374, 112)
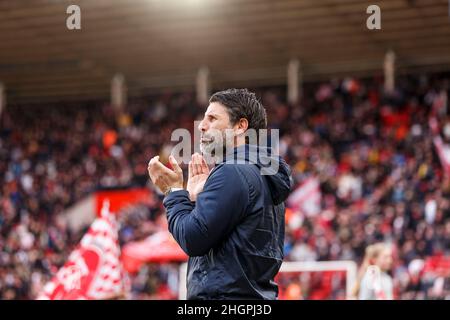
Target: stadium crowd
(372, 153)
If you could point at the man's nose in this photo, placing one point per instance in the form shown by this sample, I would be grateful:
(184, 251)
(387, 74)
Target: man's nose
(202, 126)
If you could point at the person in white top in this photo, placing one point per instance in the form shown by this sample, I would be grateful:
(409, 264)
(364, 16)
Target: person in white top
(374, 282)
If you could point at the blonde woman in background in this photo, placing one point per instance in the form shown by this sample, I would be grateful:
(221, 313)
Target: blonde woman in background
(374, 282)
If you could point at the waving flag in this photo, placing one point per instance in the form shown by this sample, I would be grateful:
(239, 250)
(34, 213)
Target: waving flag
(160, 247)
(307, 197)
(443, 151)
(93, 270)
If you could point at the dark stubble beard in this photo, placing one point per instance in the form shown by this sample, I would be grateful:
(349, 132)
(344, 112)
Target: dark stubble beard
(216, 149)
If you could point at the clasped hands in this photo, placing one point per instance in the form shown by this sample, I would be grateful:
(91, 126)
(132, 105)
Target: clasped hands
(165, 178)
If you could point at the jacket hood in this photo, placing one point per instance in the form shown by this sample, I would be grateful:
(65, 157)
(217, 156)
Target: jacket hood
(272, 167)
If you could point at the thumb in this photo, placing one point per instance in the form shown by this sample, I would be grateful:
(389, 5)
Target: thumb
(174, 164)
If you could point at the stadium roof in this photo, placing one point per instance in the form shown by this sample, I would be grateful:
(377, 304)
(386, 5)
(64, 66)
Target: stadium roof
(162, 43)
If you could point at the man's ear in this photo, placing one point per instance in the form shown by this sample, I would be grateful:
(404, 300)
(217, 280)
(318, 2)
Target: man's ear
(241, 126)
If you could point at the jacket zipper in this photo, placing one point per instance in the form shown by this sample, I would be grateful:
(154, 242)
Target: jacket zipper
(211, 256)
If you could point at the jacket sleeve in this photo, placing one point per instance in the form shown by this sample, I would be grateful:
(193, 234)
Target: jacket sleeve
(199, 227)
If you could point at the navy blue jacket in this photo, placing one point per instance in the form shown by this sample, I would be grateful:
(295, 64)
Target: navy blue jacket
(234, 233)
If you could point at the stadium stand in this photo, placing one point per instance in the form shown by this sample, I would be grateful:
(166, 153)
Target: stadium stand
(380, 179)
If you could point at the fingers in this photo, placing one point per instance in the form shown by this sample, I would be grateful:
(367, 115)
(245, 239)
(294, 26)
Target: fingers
(152, 160)
(197, 164)
(162, 168)
(175, 165)
(193, 165)
(151, 166)
(163, 177)
(204, 166)
(156, 168)
(190, 169)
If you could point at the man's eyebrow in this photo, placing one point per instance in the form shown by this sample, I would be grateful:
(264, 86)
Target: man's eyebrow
(212, 114)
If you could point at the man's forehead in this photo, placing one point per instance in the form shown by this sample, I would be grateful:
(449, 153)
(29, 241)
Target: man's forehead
(215, 108)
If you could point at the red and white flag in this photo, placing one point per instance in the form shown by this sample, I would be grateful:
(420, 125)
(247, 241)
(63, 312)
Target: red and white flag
(443, 151)
(93, 270)
(160, 247)
(442, 148)
(307, 197)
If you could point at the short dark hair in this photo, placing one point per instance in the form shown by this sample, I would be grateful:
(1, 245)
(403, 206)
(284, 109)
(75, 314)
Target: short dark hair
(242, 103)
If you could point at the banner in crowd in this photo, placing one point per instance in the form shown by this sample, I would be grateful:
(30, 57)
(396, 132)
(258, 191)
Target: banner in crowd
(307, 197)
(160, 247)
(443, 151)
(439, 265)
(121, 198)
(93, 270)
